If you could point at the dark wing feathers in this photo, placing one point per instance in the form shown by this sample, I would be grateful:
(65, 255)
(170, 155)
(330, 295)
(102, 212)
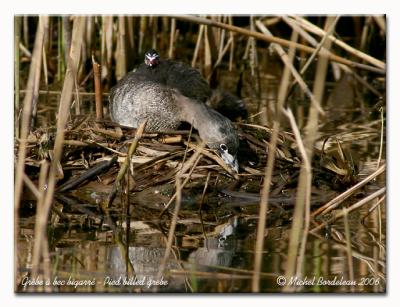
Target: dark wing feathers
(175, 75)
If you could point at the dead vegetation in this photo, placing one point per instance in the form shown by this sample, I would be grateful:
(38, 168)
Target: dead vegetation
(292, 171)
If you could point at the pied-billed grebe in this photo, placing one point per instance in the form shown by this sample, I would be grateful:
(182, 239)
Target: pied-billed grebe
(166, 93)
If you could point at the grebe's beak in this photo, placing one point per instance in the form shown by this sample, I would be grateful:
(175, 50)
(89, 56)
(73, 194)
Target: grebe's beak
(230, 160)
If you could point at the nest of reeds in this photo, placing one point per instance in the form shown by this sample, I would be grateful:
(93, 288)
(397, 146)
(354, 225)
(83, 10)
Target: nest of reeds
(94, 152)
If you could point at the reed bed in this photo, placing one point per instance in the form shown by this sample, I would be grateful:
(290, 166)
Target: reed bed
(85, 56)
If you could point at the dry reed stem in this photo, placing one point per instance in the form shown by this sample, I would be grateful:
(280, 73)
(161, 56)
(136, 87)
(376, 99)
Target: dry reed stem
(25, 51)
(381, 140)
(66, 26)
(348, 248)
(25, 28)
(357, 205)
(107, 132)
(307, 165)
(318, 31)
(154, 31)
(370, 210)
(17, 39)
(46, 266)
(160, 159)
(172, 39)
(270, 21)
(59, 93)
(60, 57)
(131, 27)
(306, 161)
(142, 32)
(37, 82)
(89, 33)
(210, 34)
(171, 140)
(364, 33)
(40, 218)
(207, 53)
(125, 202)
(125, 166)
(382, 248)
(273, 39)
(334, 203)
(45, 70)
(204, 190)
(380, 21)
(120, 61)
(31, 186)
(311, 40)
(106, 46)
(284, 135)
(221, 42)
(198, 42)
(252, 49)
(187, 144)
(319, 45)
(279, 50)
(200, 210)
(34, 76)
(259, 246)
(222, 53)
(63, 113)
(191, 163)
(97, 88)
(232, 49)
(296, 132)
(304, 185)
(124, 250)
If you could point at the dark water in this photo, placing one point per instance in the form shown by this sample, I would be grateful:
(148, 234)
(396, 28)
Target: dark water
(220, 263)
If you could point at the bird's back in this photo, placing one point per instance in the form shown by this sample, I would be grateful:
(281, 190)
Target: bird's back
(176, 75)
(136, 98)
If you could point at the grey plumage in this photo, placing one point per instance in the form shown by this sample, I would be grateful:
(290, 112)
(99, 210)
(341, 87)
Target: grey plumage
(135, 99)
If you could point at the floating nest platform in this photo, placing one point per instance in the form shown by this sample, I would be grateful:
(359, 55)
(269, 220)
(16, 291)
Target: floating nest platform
(94, 152)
